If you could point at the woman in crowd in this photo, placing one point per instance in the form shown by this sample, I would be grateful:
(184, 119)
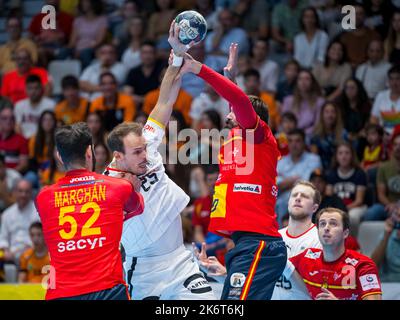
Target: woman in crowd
(95, 122)
(332, 74)
(103, 157)
(305, 102)
(131, 54)
(349, 182)
(392, 41)
(328, 133)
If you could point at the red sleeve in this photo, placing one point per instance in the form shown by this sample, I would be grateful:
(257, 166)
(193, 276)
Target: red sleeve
(296, 260)
(196, 211)
(368, 279)
(133, 203)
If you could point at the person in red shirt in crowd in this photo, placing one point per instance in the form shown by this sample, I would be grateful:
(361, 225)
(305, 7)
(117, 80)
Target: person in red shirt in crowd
(245, 192)
(13, 83)
(82, 216)
(334, 272)
(13, 146)
(51, 41)
(288, 123)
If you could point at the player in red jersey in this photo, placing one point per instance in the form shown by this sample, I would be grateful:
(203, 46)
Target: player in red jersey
(82, 216)
(245, 192)
(334, 272)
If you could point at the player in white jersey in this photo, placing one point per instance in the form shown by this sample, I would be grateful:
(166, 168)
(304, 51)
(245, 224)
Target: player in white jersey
(299, 235)
(157, 265)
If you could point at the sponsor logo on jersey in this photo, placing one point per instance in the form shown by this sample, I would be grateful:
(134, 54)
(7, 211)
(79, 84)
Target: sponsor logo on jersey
(369, 281)
(245, 187)
(148, 127)
(312, 255)
(197, 284)
(351, 261)
(237, 280)
(82, 179)
(313, 273)
(336, 276)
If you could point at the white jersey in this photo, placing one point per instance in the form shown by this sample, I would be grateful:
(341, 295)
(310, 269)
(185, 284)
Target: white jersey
(163, 203)
(284, 289)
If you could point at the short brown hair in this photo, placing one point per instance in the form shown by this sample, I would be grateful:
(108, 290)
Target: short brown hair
(260, 108)
(317, 194)
(343, 214)
(115, 137)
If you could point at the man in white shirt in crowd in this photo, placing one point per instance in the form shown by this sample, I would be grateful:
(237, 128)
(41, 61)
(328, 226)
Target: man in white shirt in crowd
(8, 179)
(373, 73)
(15, 222)
(27, 111)
(89, 81)
(269, 70)
(386, 108)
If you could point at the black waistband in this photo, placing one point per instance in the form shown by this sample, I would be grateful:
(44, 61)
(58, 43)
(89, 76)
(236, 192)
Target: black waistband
(240, 235)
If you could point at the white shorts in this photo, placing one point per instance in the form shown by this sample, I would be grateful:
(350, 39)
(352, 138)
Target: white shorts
(173, 276)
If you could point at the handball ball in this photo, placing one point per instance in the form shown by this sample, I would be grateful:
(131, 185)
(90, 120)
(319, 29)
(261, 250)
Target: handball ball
(192, 26)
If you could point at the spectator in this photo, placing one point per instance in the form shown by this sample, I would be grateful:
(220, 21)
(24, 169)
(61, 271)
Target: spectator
(386, 108)
(207, 9)
(27, 111)
(89, 31)
(15, 41)
(131, 54)
(332, 74)
(349, 182)
(182, 103)
(328, 133)
(103, 157)
(218, 41)
(378, 13)
(13, 146)
(387, 254)
(121, 21)
(16, 220)
(297, 165)
(318, 178)
(41, 145)
(34, 259)
(53, 173)
(356, 41)
(252, 83)
(305, 102)
(392, 41)
(286, 23)
(253, 16)
(286, 86)
(145, 77)
(269, 70)
(310, 45)
(388, 182)
(373, 73)
(5, 102)
(107, 61)
(115, 106)
(159, 23)
(354, 107)
(375, 151)
(8, 179)
(51, 41)
(208, 100)
(288, 123)
(191, 83)
(13, 82)
(73, 108)
(95, 122)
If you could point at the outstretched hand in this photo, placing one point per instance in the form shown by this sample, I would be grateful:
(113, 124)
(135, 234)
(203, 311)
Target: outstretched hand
(213, 266)
(179, 48)
(230, 70)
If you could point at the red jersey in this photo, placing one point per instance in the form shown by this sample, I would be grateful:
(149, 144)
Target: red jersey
(351, 277)
(82, 217)
(245, 192)
(13, 147)
(13, 83)
(201, 214)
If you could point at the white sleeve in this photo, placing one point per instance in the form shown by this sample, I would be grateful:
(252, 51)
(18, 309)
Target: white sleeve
(323, 45)
(375, 108)
(18, 113)
(289, 269)
(153, 132)
(4, 233)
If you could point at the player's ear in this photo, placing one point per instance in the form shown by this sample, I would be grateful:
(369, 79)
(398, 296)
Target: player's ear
(118, 155)
(59, 157)
(315, 207)
(346, 233)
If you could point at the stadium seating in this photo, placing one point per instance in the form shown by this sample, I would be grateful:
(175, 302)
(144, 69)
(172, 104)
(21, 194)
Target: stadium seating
(369, 234)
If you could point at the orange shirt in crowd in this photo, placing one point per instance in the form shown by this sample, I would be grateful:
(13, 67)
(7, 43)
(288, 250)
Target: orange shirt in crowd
(32, 265)
(42, 160)
(125, 103)
(13, 83)
(71, 115)
(182, 104)
(274, 117)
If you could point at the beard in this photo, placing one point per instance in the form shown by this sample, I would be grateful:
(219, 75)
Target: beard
(299, 216)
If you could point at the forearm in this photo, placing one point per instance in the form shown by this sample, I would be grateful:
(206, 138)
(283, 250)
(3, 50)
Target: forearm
(166, 84)
(241, 105)
(379, 253)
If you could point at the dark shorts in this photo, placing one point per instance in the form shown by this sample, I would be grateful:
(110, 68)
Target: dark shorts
(118, 292)
(253, 266)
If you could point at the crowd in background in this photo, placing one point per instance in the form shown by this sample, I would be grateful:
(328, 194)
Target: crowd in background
(333, 97)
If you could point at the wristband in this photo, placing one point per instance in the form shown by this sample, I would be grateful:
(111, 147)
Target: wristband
(176, 61)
